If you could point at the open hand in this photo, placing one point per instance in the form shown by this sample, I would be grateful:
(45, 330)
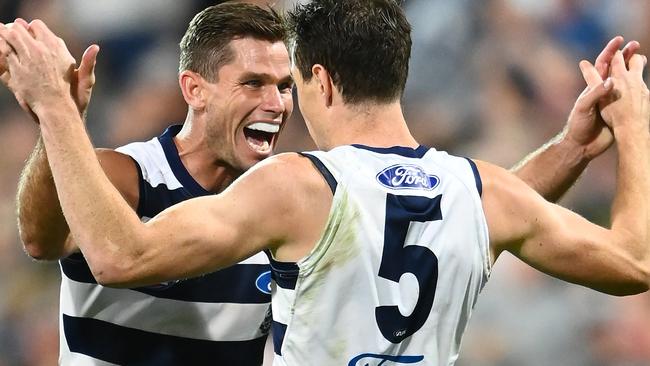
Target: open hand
(585, 126)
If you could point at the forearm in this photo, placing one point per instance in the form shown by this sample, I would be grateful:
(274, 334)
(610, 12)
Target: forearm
(99, 218)
(41, 224)
(631, 206)
(553, 168)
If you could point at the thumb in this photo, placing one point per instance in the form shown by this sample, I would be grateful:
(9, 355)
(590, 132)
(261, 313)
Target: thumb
(86, 72)
(590, 98)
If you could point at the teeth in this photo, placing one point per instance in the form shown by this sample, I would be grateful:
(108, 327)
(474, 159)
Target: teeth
(264, 127)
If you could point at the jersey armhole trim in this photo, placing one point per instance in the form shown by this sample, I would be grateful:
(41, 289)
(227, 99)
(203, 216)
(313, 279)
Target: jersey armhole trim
(477, 176)
(141, 190)
(329, 178)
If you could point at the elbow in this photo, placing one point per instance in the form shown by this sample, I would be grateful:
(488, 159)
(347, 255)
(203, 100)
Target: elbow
(111, 274)
(38, 251)
(637, 281)
(114, 269)
(43, 247)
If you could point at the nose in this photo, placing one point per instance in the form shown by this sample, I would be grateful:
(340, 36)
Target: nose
(273, 101)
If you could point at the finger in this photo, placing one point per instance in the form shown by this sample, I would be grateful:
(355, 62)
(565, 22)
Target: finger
(19, 39)
(630, 49)
(590, 99)
(618, 64)
(43, 33)
(605, 57)
(86, 72)
(22, 22)
(637, 63)
(590, 74)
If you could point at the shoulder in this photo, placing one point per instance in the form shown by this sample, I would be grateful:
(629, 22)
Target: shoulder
(122, 171)
(511, 207)
(288, 171)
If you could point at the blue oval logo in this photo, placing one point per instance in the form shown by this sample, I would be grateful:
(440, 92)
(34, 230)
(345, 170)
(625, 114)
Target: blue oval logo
(263, 282)
(405, 176)
(368, 359)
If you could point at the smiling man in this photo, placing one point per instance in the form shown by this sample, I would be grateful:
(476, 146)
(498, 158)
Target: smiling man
(235, 77)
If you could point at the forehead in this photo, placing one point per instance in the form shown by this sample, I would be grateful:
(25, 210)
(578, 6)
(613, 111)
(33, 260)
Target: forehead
(258, 56)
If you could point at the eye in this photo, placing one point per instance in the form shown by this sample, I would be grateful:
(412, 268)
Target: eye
(286, 87)
(254, 83)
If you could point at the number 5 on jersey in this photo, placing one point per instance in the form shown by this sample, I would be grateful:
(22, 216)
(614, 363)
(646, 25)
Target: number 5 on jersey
(398, 259)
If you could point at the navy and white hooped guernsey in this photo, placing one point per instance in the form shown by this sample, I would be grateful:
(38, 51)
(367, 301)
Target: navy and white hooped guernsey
(220, 318)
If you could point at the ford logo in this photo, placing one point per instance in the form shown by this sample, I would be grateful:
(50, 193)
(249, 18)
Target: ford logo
(407, 177)
(369, 359)
(263, 282)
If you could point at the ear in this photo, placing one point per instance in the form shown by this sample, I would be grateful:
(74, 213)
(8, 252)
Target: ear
(192, 86)
(324, 81)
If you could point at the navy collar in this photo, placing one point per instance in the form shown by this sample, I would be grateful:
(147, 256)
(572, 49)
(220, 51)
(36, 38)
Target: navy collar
(397, 150)
(179, 170)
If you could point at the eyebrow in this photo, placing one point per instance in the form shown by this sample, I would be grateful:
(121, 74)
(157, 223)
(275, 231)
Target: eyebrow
(265, 76)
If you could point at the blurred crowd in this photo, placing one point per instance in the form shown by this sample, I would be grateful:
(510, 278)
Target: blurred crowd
(493, 79)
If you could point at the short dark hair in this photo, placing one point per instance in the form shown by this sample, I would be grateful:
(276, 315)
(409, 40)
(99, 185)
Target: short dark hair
(205, 47)
(365, 45)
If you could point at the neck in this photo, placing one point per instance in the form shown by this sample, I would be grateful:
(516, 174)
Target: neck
(378, 125)
(202, 164)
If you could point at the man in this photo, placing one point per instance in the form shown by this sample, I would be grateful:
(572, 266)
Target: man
(234, 74)
(349, 225)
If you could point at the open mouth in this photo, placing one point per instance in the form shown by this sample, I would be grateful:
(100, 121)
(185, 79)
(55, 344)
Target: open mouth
(260, 135)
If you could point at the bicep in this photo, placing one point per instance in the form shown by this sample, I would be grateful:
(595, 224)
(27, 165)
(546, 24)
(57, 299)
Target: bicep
(551, 238)
(204, 234)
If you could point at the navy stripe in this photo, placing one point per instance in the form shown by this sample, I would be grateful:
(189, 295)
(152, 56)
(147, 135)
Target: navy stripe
(285, 274)
(236, 284)
(477, 176)
(141, 189)
(156, 199)
(278, 330)
(128, 346)
(329, 178)
(407, 152)
(180, 172)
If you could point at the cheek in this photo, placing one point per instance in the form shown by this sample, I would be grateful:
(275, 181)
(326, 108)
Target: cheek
(288, 105)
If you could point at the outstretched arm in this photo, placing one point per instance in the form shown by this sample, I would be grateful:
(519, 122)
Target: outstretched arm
(553, 168)
(193, 237)
(560, 242)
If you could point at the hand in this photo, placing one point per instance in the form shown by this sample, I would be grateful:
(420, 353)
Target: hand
(627, 108)
(40, 67)
(585, 126)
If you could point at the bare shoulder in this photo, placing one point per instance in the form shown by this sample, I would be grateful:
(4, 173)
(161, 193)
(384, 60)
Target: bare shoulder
(510, 207)
(121, 170)
(294, 191)
(290, 171)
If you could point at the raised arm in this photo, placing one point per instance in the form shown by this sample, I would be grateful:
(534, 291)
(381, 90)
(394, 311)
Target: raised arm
(553, 168)
(42, 227)
(560, 242)
(41, 224)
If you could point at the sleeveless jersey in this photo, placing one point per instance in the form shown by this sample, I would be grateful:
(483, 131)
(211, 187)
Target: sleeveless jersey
(220, 318)
(396, 273)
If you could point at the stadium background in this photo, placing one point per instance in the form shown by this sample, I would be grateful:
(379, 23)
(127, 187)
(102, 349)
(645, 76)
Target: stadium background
(491, 79)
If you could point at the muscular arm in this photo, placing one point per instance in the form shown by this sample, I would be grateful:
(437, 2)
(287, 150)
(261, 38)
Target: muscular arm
(190, 238)
(553, 168)
(43, 230)
(560, 242)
